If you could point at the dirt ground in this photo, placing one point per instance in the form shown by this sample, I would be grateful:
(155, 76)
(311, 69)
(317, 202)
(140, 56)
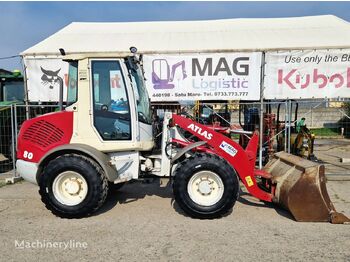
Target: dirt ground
(142, 223)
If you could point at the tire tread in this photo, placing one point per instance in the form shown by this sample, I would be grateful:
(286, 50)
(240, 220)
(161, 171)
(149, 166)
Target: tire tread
(182, 175)
(61, 162)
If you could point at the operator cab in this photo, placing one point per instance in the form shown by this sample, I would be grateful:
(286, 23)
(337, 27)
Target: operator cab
(119, 106)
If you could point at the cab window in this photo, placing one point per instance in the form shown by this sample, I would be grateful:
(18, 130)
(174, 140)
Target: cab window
(13, 91)
(141, 96)
(110, 101)
(72, 85)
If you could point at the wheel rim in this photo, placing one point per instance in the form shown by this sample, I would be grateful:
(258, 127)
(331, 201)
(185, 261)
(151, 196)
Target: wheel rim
(205, 188)
(70, 188)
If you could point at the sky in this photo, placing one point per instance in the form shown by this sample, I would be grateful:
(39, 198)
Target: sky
(24, 24)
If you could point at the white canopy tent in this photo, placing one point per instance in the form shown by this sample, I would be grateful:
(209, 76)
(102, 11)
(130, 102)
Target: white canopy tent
(265, 34)
(313, 37)
(214, 36)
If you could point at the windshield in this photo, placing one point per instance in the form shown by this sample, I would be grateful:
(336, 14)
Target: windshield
(14, 91)
(141, 95)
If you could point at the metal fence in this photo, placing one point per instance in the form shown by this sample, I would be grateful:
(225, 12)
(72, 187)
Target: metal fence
(12, 117)
(276, 120)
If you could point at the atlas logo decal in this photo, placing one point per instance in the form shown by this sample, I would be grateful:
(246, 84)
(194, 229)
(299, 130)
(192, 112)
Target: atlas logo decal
(200, 132)
(228, 148)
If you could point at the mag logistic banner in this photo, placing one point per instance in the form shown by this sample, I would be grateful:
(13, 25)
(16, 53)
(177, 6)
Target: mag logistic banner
(211, 76)
(307, 74)
(43, 78)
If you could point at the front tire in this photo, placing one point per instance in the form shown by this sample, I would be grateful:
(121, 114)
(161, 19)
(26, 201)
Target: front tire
(73, 186)
(205, 186)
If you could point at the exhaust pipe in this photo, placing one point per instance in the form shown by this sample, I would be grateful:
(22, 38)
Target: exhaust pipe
(60, 101)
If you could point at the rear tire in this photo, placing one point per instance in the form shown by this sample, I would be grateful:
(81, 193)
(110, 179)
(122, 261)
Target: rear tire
(205, 186)
(73, 186)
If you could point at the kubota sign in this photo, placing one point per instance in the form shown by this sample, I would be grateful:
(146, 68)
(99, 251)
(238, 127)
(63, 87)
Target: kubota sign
(307, 74)
(211, 76)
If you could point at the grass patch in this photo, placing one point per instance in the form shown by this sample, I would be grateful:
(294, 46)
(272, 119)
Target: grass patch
(325, 131)
(2, 183)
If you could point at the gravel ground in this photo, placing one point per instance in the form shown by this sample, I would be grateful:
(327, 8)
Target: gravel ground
(142, 223)
(330, 152)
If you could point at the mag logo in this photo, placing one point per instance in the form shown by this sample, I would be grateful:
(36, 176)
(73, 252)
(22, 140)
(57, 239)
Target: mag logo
(203, 76)
(228, 148)
(208, 73)
(163, 76)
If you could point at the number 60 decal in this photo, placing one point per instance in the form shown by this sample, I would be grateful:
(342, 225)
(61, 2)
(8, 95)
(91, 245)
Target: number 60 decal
(28, 155)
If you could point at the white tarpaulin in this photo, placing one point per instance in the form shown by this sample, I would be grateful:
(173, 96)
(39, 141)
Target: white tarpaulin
(307, 74)
(43, 78)
(229, 35)
(208, 76)
(188, 37)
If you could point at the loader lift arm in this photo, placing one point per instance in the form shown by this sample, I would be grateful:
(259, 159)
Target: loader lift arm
(293, 183)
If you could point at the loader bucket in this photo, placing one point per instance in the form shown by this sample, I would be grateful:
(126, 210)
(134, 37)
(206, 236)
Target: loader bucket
(300, 187)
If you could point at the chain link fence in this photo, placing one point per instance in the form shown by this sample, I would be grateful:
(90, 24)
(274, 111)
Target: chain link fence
(280, 122)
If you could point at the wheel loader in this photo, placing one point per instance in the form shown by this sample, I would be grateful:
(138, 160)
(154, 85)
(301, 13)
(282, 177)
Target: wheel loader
(77, 154)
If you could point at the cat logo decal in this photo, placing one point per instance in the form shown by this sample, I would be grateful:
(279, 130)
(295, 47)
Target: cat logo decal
(50, 78)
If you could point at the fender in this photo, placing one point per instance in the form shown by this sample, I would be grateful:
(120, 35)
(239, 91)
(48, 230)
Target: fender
(102, 159)
(185, 149)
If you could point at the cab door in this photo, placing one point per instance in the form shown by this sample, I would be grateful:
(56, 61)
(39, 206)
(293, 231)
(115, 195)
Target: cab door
(112, 101)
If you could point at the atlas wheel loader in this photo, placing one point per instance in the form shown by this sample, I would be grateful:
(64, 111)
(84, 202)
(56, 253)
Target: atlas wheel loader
(76, 154)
